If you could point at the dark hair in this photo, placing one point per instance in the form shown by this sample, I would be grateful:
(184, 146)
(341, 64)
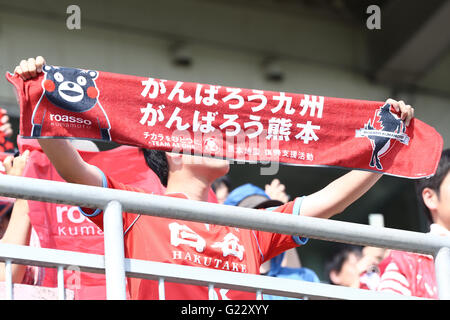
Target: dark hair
(225, 180)
(157, 161)
(335, 262)
(434, 183)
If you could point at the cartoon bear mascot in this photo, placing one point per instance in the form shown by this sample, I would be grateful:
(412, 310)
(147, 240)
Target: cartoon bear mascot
(70, 103)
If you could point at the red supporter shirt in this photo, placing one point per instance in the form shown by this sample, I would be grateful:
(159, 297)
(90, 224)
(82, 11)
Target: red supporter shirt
(409, 274)
(196, 244)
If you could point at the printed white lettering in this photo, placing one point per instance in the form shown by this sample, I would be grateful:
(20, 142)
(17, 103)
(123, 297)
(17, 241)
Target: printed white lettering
(69, 119)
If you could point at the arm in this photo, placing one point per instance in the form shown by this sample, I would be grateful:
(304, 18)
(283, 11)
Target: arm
(291, 259)
(63, 155)
(19, 226)
(18, 232)
(339, 194)
(69, 164)
(342, 192)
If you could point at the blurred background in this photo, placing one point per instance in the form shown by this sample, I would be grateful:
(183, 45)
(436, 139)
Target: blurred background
(321, 47)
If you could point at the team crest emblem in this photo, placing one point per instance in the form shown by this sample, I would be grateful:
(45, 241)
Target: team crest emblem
(383, 134)
(211, 145)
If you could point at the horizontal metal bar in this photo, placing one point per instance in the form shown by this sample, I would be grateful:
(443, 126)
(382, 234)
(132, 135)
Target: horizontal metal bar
(324, 229)
(189, 275)
(51, 258)
(249, 282)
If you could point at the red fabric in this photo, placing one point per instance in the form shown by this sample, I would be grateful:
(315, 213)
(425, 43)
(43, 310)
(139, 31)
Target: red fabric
(417, 269)
(195, 244)
(243, 124)
(61, 226)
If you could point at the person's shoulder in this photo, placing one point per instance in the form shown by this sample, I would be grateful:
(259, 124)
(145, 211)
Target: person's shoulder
(111, 182)
(292, 206)
(404, 260)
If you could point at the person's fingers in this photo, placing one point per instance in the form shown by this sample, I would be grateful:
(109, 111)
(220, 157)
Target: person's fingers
(6, 129)
(40, 61)
(394, 104)
(26, 153)
(403, 110)
(7, 163)
(5, 125)
(20, 162)
(19, 72)
(23, 157)
(410, 115)
(4, 119)
(24, 67)
(407, 112)
(275, 182)
(32, 67)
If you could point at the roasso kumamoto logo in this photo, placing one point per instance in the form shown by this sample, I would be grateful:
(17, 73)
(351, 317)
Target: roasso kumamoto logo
(69, 98)
(383, 134)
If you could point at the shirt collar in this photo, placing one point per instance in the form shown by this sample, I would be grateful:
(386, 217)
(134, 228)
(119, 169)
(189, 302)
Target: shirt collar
(439, 230)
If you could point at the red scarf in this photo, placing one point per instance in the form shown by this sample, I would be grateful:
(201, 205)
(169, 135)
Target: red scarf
(233, 123)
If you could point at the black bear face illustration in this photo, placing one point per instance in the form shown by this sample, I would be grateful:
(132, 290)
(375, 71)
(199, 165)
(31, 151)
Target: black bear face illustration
(71, 89)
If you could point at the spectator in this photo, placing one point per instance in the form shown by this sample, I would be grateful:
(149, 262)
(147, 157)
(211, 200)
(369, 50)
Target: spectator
(279, 268)
(192, 243)
(369, 267)
(251, 196)
(354, 266)
(286, 265)
(342, 267)
(18, 226)
(371, 258)
(413, 274)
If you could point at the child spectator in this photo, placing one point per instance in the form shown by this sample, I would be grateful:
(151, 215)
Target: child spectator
(413, 274)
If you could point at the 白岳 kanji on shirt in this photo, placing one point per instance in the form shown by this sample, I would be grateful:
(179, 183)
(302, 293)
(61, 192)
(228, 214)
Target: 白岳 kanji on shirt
(196, 244)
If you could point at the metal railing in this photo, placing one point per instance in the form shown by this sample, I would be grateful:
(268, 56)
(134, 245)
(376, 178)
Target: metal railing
(116, 267)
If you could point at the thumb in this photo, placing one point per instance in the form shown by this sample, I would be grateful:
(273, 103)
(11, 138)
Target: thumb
(7, 163)
(26, 153)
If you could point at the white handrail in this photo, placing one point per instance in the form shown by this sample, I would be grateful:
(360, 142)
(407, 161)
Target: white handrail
(119, 200)
(189, 275)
